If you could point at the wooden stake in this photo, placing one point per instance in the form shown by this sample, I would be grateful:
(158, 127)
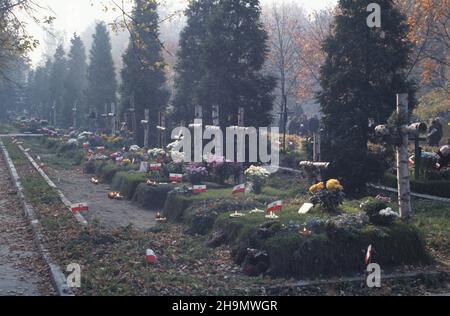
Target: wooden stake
(113, 119)
(216, 115)
(162, 132)
(316, 147)
(404, 191)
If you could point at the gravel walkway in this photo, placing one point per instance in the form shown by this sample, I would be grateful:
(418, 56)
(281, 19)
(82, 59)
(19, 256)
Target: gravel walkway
(22, 270)
(109, 213)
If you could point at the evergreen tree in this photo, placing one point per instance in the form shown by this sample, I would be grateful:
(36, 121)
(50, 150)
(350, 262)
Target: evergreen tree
(189, 67)
(235, 52)
(75, 82)
(13, 83)
(56, 85)
(363, 72)
(41, 90)
(143, 74)
(101, 77)
(223, 50)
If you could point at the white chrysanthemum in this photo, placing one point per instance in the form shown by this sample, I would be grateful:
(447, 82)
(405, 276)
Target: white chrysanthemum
(388, 212)
(258, 172)
(156, 152)
(177, 156)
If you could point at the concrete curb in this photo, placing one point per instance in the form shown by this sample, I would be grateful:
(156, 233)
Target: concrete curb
(20, 135)
(58, 277)
(80, 218)
(422, 196)
(359, 279)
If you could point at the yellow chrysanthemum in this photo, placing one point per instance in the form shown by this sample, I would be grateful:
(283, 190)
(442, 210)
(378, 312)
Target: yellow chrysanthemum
(334, 185)
(126, 161)
(317, 187)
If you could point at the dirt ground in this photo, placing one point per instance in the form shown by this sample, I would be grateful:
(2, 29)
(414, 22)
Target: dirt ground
(22, 270)
(109, 213)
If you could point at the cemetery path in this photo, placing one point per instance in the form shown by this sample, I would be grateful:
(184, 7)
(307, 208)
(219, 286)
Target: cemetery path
(22, 270)
(110, 213)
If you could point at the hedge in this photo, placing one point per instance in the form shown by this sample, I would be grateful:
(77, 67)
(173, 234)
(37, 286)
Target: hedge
(152, 197)
(107, 171)
(437, 188)
(324, 255)
(127, 182)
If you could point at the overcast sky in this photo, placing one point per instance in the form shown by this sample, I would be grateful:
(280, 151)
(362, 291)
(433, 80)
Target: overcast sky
(77, 15)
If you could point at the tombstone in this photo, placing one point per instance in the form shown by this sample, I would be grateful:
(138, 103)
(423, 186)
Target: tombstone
(143, 167)
(306, 208)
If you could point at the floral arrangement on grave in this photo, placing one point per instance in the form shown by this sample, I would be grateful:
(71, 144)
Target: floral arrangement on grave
(220, 168)
(258, 177)
(126, 162)
(177, 157)
(379, 213)
(196, 173)
(329, 195)
(156, 154)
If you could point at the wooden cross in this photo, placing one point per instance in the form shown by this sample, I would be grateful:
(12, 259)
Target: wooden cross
(198, 112)
(146, 123)
(241, 117)
(162, 130)
(216, 115)
(112, 115)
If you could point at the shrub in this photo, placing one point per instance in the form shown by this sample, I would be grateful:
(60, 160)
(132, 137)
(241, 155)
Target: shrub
(152, 197)
(379, 213)
(66, 147)
(107, 171)
(373, 207)
(90, 167)
(221, 169)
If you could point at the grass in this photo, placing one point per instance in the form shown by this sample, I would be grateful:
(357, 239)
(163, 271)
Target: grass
(7, 128)
(48, 154)
(15, 153)
(433, 220)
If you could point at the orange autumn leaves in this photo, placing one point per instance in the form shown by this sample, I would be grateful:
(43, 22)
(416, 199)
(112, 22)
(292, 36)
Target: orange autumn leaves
(429, 23)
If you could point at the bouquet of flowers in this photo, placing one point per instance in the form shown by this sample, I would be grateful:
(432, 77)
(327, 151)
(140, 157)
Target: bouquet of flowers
(219, 167)
(329, 195)
(379, 213)
(257, 176)
(196, 172)
(156, 153)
